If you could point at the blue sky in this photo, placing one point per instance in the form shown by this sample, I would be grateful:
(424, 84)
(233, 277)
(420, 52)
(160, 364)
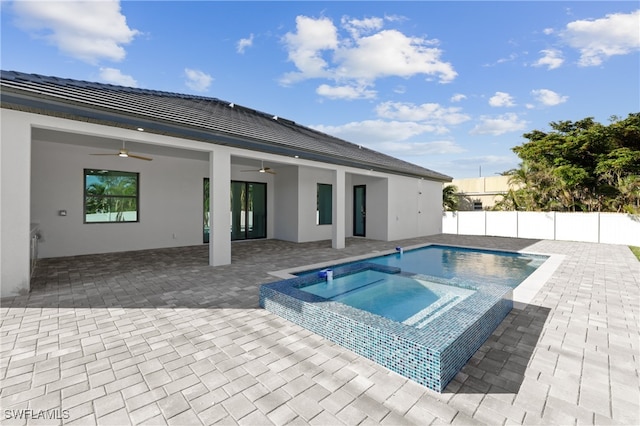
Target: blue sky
(451, 86)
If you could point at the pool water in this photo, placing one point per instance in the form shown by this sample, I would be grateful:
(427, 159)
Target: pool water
(465, 265)
(410, 300)
(391, 296)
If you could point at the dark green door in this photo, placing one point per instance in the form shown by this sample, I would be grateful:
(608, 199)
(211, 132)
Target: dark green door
(360, 210)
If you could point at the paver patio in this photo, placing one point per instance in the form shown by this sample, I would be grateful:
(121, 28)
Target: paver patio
(159, 337)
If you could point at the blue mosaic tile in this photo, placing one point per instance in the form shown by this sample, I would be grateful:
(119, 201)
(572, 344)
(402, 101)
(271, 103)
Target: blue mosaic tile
(430, 355)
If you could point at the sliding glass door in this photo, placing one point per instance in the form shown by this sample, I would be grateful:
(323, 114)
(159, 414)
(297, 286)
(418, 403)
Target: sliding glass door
(248, 210)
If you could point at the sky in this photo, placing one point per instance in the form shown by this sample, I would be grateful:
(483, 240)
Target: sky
(451, 86)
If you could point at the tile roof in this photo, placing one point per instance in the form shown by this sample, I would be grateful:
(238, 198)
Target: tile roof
(192, 117)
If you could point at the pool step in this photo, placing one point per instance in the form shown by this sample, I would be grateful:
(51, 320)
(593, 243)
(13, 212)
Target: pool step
(419, 321)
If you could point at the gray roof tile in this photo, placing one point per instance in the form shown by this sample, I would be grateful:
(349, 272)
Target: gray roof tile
(189, 115)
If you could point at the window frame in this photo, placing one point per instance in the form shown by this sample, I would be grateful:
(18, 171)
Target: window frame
(321, 213)
(136, 197)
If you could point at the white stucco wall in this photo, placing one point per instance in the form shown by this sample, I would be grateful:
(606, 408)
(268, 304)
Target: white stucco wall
(285, 210)
(15, 160)
(308, 230)
(415, 207)
(377, 206)
(170, 197)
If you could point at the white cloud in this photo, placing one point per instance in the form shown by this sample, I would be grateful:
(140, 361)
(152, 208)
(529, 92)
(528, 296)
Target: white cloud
(499, 125)
(345, 92)
(370, 132)
(305, 46)
(86, 30)
(458, 97)
(548, 97)
(501, 99)
(486, 160)
(511, 57)
(548, 31)
(359, 26)
(551, 58)
(318, 51)
(197, 80)
(416, 149)
(115, 76)
(243, 43)
(599, 39)
(400, 89)
(391, 53)
(392, 137)
(428, 112)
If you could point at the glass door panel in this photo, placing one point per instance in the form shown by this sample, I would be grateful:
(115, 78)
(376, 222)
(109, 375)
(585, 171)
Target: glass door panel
(206, 226)
(257, 210)
(359, 210)
(248, 210)
(238, 211)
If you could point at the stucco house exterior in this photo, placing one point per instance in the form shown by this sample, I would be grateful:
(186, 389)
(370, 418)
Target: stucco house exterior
(210, 172)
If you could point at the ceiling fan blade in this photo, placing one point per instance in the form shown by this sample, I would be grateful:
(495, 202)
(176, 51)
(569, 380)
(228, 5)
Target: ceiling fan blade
(254, 170)
(269, 170)
(139, 157)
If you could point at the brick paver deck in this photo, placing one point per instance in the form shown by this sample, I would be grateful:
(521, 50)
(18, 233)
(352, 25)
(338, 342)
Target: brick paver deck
(159, 337)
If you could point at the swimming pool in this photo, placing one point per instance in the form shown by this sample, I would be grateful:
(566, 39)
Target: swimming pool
(462, 264)
(420, 317)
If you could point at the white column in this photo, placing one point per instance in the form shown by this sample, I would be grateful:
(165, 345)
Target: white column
(339, 203)
(219, 207)
(15, 203)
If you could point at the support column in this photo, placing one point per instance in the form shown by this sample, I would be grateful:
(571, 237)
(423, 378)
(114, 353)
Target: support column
(339, 203)
(15, 203)
(219, 207)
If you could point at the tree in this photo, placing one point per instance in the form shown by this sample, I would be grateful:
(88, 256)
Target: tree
(579, 166)
(450, 197)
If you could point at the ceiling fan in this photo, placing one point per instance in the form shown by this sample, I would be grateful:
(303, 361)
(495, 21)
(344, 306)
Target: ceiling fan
(124, 153)
(262, 169)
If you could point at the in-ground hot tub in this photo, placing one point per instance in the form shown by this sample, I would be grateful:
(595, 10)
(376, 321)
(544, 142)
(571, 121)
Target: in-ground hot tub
(426, 335)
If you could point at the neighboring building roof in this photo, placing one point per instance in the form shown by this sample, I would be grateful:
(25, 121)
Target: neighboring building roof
(191, 117)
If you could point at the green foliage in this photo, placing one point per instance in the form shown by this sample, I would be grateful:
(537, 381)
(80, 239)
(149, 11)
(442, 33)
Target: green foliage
(450, 197)
(111, 192)
(578, 166)
(636, 251)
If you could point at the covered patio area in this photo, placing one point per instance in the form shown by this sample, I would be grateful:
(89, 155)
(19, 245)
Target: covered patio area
(160, 337)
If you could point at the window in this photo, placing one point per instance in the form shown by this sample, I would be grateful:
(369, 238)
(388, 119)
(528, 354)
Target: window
(110, 196)
(324, 206)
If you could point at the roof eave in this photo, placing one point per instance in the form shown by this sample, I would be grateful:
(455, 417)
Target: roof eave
(41, 104)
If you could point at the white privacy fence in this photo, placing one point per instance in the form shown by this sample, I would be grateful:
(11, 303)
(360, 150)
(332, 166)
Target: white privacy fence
(609, 228)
